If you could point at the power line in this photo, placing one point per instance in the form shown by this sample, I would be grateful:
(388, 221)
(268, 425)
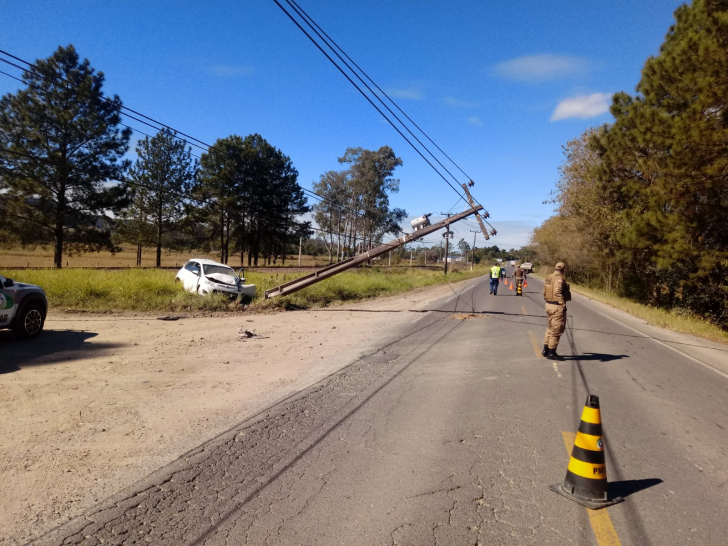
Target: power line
(368, 99)
(104, 98)
(301, 10)
(312, 24)
(37, 71)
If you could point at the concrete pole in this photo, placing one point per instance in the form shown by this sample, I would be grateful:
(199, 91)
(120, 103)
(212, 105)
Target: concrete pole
(447, 247)
(390, 258)
(300, 247)
(472, 257)
(410, 257)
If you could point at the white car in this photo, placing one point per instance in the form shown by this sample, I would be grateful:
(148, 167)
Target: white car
(201, 276)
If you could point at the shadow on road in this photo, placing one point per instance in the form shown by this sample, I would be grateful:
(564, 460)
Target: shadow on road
(50, 347)
(601, 357)
(625, 488)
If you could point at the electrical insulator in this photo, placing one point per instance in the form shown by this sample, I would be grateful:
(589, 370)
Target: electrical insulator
(486, 215)
(493, 232)
(471, 184)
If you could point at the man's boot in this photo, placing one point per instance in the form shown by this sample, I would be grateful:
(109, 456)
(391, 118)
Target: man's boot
(553, 356)
(545, 351)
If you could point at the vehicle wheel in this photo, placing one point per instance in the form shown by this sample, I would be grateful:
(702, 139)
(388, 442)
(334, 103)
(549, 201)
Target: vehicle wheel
(30, 322)
(177, 280)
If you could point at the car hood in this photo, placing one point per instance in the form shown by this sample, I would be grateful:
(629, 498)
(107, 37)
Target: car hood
(224, 279)
(23, 286)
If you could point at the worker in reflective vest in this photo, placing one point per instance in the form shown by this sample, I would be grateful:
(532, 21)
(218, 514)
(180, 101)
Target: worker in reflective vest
(495, 273)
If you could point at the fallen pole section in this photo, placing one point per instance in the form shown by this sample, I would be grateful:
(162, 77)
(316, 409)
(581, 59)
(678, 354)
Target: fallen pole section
(333, 269)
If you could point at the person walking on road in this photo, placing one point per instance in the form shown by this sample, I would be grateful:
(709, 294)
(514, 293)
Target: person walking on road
(556, 292)
(518, 276)
(495, 273)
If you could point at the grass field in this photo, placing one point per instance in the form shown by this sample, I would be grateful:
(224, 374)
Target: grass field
(676, 320)
(43, 257)
(155, 290)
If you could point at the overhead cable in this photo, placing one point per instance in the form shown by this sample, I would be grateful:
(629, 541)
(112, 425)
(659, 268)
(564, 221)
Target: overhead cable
(343, 72)
(330, 39)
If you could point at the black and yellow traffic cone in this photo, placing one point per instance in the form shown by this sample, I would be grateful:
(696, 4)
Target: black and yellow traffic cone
(586, 476)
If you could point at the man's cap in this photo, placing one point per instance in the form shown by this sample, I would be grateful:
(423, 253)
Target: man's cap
(559, 265)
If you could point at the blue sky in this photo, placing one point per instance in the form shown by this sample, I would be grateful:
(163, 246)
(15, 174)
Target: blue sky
(500, 86)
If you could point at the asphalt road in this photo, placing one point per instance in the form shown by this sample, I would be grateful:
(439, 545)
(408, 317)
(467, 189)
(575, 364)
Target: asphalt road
(451, 433)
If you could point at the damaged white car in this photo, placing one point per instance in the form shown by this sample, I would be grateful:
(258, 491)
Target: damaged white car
(202, 276)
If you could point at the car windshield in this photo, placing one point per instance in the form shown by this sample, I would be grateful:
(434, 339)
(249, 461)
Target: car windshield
(220, 269)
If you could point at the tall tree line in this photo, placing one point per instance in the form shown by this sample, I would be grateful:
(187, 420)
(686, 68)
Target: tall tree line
(355, 210)
(64, 180)
(643, 202)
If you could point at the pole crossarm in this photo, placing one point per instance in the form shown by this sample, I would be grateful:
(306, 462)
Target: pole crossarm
(334, 269)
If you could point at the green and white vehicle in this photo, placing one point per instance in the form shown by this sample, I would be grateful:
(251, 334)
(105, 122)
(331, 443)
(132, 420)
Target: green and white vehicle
(23, 307)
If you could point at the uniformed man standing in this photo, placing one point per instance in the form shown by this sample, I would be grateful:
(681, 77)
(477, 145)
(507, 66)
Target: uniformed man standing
(518, 276)
(495, 273)
(556, 292)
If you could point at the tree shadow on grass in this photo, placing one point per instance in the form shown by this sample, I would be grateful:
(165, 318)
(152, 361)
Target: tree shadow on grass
(50, 347)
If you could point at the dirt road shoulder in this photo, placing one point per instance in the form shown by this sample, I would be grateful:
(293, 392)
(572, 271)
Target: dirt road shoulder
(100, 401)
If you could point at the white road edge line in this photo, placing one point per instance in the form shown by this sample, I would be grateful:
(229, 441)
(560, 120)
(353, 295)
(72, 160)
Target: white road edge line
(689, 357)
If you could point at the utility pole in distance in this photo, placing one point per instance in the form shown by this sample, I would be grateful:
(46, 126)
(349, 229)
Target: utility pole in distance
(447, 235)
(472, 258)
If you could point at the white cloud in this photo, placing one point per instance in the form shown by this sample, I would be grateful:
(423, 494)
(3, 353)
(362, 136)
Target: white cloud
(459, 103)
(410, 94)
(230, 70)
(475, 120)
(539, 68)
(583, 106)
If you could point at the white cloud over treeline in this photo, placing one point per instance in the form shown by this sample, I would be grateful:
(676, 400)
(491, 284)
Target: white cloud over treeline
(582, 106)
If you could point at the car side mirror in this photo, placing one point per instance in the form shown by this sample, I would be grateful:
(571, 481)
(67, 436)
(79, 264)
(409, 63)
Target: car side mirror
(8, 283)
(241, 273)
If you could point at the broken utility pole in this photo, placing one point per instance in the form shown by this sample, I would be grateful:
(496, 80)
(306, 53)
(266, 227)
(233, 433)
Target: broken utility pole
(333, 269)
(480, 220)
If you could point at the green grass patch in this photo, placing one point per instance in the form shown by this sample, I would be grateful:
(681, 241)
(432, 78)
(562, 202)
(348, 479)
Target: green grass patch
(155, 290)
(677, 320)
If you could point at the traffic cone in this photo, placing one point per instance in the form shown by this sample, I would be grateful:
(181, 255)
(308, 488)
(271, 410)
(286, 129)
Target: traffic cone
(525, 283)
(586, 477)
(511, 287)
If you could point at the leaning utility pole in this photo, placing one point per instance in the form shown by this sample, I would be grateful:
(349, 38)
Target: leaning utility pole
(333, 269)
(477, 216)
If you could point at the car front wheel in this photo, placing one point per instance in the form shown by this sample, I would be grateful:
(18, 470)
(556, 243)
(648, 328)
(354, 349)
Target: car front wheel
(30, 321)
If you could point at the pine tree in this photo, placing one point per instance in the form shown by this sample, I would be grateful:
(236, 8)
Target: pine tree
(665, 165)
(60, 148)
(161, 179)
